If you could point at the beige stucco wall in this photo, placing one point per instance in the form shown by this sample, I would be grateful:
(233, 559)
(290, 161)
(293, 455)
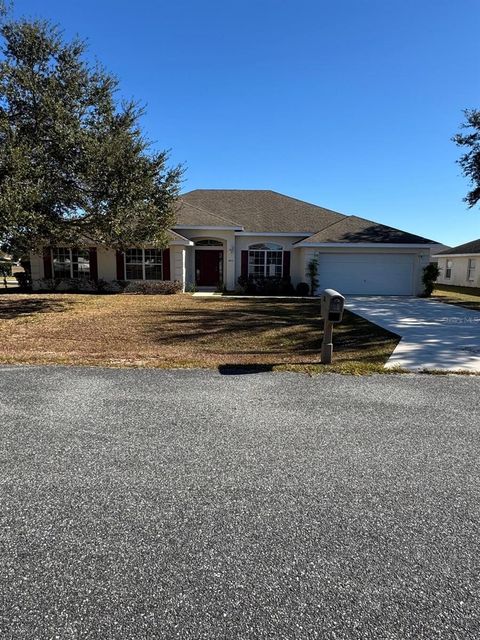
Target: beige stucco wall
(459, 271)
(178, 264)
(182, 259)
(36, 265)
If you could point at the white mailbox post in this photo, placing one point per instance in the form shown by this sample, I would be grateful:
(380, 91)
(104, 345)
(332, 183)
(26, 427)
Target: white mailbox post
(332, 313)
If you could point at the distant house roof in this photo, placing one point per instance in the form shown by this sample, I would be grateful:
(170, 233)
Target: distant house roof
(263, 211)
(438, 248)
(468, 247)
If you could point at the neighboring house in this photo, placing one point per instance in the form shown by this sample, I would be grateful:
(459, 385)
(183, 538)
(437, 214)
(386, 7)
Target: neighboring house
(460, 266)
(221, 234)
(435, 250)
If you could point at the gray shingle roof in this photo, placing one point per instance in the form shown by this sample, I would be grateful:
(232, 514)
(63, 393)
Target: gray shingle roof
(468, 247)
(438, 248)
(355, 229)
(262, 211)
(268, 211)
(192, 215)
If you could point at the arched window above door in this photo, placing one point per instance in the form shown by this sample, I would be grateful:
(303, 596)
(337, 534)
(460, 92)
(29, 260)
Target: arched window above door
(208, 242)
(266, 246)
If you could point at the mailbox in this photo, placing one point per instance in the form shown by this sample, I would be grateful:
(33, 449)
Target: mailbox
(332, 306)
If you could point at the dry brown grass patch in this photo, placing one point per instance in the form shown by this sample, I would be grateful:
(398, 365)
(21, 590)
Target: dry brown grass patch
(182, 331)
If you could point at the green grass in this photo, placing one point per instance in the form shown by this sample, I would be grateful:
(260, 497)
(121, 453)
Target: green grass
(468, 297)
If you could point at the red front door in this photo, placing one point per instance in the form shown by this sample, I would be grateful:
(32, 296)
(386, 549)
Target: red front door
(208, 267)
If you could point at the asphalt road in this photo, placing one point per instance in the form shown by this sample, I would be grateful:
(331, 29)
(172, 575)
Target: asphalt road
(189, 504)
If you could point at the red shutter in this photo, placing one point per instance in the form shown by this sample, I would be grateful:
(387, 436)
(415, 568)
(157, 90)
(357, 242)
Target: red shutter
(120, 265)
(286, 264)
(166, 264)
(93, 263)
(244, 264)
(47, 263)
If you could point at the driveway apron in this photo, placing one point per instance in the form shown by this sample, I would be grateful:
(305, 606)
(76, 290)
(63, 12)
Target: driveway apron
(434, 335)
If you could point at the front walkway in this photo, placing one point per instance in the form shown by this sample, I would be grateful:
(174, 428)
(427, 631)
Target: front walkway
(434, 335)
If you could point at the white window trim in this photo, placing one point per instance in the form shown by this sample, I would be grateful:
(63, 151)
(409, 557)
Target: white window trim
(448, 270)
(471, 269)
(69, 249)
(265, 265)
(143, 266)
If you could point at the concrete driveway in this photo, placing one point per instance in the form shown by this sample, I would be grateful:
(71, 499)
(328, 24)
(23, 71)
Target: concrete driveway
(146, 504)
(434, 335)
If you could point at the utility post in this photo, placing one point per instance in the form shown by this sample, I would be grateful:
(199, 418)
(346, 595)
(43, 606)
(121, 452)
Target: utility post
(332, 313)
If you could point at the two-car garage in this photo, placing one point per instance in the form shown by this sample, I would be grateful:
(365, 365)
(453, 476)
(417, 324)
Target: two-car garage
(368, 273)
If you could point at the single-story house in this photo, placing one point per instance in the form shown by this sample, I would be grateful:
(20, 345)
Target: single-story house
(222, 234)
(460, 266)
(439, 248)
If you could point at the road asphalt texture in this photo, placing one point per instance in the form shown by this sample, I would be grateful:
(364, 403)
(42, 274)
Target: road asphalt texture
(196, 504)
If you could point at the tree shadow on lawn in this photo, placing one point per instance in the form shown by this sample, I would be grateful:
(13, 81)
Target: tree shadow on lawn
(14, 307)
(263, 327)
(266, 324)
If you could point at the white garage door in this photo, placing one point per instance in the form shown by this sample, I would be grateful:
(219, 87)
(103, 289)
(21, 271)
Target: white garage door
(369, 274)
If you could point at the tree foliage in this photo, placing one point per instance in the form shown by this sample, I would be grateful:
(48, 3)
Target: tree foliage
(470, 160)
(74, 164)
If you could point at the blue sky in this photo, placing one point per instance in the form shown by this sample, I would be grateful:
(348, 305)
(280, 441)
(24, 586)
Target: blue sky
(350, 104)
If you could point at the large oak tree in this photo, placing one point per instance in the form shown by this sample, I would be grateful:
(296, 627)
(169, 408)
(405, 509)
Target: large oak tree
(74, 164)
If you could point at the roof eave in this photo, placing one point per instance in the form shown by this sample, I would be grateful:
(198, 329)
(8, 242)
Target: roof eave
(207, 227)
(369, 245)
(299, 234)
(456, 255)
(179, 239)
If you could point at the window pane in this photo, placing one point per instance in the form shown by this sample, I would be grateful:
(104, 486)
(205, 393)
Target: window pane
(134, 272)
(274, 263)
(61, 270)
(81, 270)
(61, 263)
(81, 264)
(153, 256)
(80, 254)
(265, 263)
(153, 271)
(134, 256)
(61, 254)
(256, 263)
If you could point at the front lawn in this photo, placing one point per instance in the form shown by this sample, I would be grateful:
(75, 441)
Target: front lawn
(464, 296)
(183, 331)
